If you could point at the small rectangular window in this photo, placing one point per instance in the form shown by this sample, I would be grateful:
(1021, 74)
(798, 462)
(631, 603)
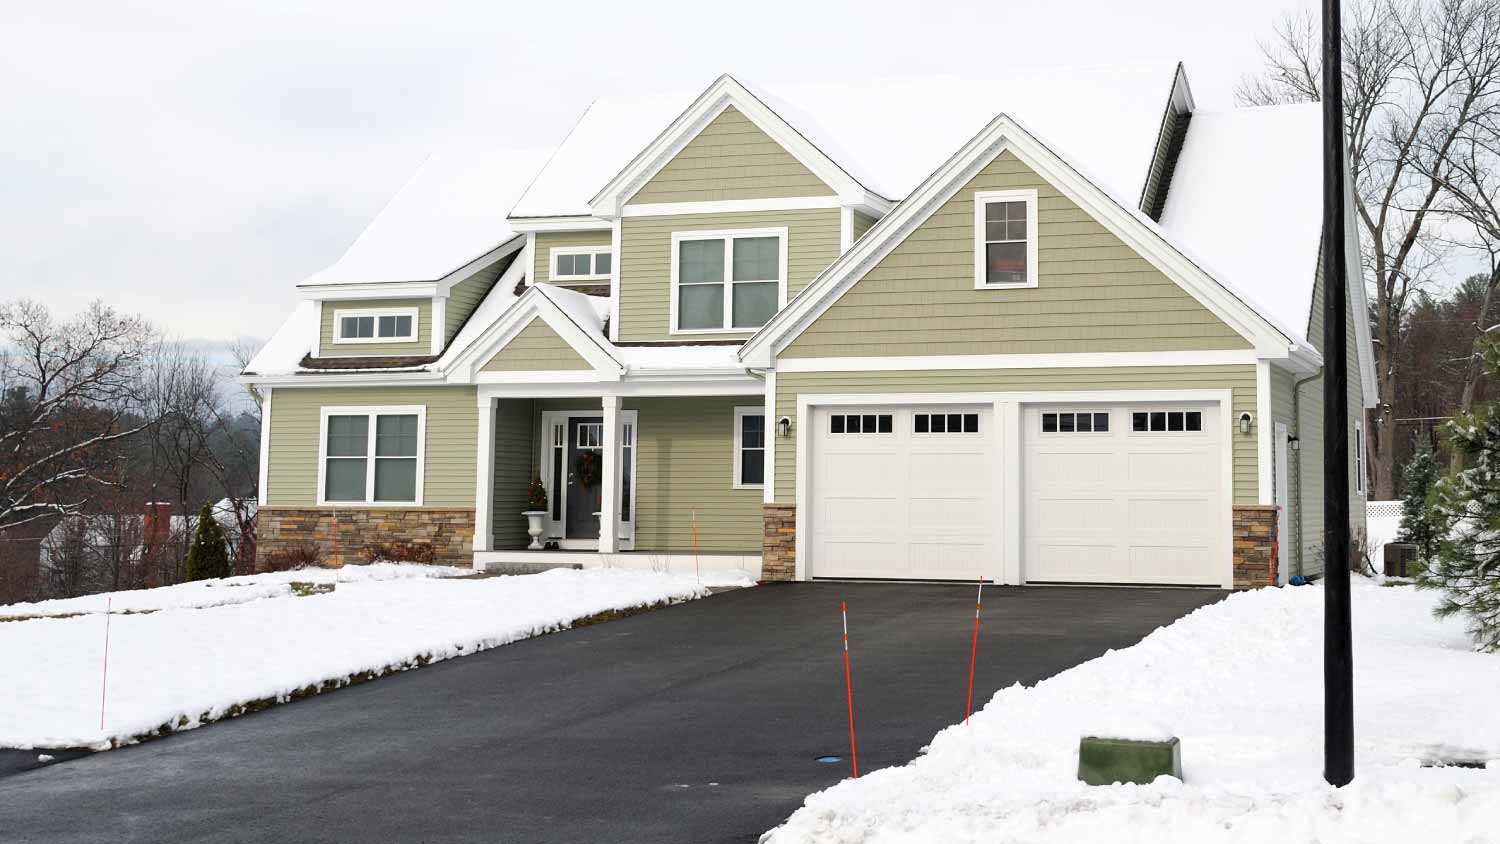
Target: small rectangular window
(860, 423)
(750, 446)
(372, 326)
(1073, 422)
(1005, 238)
(1101, 422)
(581, 264)
(971, 423)
(1049, 423)
(1168, 421)
(945, 423)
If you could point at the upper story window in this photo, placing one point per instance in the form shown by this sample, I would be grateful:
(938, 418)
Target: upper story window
(727, 281)
(384, 325)
(1005, 239)
(581, 263)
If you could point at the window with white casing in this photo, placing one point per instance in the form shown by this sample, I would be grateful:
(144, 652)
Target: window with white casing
(371, 325)
(371, 455)
(1359, 457)
(581, 263)
(1076, 422)
(1168, 421)
(749, 447)
(1005, 239)
(727, 281)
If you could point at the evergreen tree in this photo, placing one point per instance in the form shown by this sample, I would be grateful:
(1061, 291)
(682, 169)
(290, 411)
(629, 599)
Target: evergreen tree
(209, 555)
(1465, 511)
(1419, 524)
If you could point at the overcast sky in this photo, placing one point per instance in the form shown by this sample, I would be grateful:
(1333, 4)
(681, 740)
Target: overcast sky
(193, 160)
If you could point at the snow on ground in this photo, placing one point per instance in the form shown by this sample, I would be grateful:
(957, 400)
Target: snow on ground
(190, 663)
(229, 590)
(1240, 683)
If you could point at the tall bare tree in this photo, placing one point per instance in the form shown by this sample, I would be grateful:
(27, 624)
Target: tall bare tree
(1418, 74)
(68, 401)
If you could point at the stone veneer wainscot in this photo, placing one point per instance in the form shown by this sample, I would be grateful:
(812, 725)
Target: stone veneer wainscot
(449, 531)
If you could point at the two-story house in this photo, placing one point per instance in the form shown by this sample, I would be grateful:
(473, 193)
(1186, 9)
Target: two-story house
(1035, 326)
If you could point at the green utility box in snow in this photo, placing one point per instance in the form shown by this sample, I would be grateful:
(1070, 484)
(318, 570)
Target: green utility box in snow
(1103, 761)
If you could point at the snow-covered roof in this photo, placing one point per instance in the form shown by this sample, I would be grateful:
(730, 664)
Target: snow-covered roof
(450, 212)
(890, 134)
(1246, 197)
(283, 353)
(588, 312)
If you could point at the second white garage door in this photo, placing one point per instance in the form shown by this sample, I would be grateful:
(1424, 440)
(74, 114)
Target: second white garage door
(1127, 493)
(903, 492)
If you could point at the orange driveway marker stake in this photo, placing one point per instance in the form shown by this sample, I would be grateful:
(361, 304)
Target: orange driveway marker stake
(849, 689)
(104, 681)
(974, 649)
(696, 573)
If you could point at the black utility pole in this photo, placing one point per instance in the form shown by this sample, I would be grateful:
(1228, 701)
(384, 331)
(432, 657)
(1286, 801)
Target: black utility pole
(1338, 657)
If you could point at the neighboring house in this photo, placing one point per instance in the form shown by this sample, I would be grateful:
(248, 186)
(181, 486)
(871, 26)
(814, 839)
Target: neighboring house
(1041, 326)
(129, 538)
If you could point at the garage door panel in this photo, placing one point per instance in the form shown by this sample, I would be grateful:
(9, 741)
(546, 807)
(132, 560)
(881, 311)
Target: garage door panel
(1067, 515)
(1130, 506)
(902, 504)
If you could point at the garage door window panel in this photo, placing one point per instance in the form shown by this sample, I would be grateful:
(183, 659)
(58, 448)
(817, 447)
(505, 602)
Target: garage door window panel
(945, 423)
(1166, 421)
(861, 423)
(1075, 422)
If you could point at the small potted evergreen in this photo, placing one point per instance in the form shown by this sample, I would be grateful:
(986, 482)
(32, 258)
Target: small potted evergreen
(536, 510)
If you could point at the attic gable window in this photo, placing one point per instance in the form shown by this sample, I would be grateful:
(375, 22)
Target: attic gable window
(384, 325)
(581, 263)
(727, 280)
(1005, 239)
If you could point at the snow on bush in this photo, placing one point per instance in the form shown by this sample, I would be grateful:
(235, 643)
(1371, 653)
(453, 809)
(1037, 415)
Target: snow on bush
(1240, 682)
(273, 645)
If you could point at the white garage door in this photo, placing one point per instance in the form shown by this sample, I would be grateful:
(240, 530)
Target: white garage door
(902, 492)
(1124, 493)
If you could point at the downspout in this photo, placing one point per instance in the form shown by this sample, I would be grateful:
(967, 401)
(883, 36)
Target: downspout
(1297, 421)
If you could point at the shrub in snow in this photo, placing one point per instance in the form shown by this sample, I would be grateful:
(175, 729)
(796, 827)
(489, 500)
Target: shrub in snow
(400, 552)
(208, 556)
(298, 557)
(1465, 507)
(1419, 525)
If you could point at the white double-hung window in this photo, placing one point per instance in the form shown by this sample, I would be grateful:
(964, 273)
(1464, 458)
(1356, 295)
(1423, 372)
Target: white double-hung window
(371, 455)
(375, 325)
(727, 280)
(1005, 239)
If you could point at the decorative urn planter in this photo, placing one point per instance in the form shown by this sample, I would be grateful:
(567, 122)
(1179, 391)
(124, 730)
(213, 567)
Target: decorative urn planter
(534, 528)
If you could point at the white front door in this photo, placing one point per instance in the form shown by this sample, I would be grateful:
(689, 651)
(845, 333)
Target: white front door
(1123, 493)
(903, 492)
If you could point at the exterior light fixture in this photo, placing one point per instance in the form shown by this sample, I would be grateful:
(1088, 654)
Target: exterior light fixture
(1294, 443)
(784, 426)
(1245, 423)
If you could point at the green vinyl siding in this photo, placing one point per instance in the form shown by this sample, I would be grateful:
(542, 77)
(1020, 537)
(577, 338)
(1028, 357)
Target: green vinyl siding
(686, 463)
(536, 348)
(646, 261)
(452, 440)
(1309, 457)
(547, 241)
(862, 223)
(1239, 379)
(731, 158)
(467, 294)
(1094, 293)
(515, 465)
(421, 346)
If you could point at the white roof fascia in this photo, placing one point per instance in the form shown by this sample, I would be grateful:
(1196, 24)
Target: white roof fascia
(724, 92)
(558, 224)
(371, 290)
(323, 378)
(1001, 134)
(533, 304)
(504, 250)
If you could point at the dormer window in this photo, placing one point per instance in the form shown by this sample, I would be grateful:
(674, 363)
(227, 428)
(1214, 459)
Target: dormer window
(384, 325)
(727, 280)
(581, 263)
(1005, 239)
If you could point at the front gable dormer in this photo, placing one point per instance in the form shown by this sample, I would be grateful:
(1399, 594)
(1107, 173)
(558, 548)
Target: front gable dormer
(731, 159)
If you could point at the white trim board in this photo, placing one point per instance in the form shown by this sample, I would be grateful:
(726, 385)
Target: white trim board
(1065, 360)
(1007, 415)
(264, 486)
(730, 206)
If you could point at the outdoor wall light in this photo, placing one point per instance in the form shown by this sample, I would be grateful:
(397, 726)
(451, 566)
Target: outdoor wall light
(1294, 443)
(784, 426)
(1245, 423)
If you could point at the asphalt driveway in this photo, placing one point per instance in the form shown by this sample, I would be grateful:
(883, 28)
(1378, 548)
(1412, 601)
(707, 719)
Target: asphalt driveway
(697, 723)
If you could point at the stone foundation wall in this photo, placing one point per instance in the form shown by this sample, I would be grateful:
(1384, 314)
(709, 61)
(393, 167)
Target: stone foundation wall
(1254, 543)
(450, 532)
(778, 555)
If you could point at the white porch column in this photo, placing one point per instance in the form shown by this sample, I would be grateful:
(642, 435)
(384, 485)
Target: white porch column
(609, 508)
(484, 474)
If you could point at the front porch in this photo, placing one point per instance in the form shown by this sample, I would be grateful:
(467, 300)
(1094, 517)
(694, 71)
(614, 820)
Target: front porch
(657, 482)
